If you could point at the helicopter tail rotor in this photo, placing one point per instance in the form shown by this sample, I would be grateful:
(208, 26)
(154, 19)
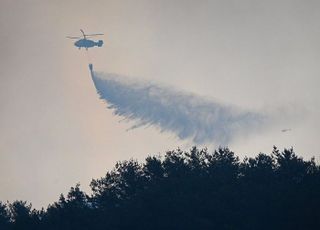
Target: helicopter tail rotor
(99, 43)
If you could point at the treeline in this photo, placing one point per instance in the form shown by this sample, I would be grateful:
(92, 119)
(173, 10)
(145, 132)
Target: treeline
(187, 190)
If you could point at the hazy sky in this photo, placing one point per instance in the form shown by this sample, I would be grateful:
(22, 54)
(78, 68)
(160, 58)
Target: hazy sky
(54, 129)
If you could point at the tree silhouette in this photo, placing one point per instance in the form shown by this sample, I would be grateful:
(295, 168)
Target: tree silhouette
(22, 215)
(187, 190)
(4, 217)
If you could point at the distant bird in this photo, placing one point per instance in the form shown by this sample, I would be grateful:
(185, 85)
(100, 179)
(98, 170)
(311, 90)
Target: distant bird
(285, 130)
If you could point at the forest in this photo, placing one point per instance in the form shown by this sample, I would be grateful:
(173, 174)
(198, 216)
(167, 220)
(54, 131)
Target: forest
(195, 189)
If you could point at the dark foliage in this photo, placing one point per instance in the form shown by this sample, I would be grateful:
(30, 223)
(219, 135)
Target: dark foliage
(187, 190)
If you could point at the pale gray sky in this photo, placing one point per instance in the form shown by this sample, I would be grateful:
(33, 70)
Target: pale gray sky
(54, 130)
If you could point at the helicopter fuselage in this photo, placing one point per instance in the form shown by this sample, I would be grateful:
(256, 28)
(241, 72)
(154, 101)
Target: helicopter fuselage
(86, 43)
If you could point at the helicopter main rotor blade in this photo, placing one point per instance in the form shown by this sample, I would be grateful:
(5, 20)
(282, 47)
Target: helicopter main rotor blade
(93, 34)
(73, 37)
(82, 33)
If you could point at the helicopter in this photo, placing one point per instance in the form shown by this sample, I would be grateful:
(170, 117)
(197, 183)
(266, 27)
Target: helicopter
(285, 130)
(83, 42)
